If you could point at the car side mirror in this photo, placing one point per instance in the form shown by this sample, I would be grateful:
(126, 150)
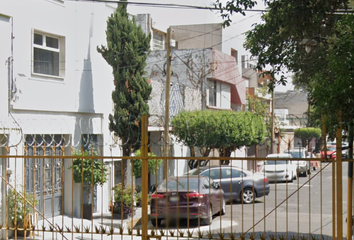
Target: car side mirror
(152, 188)
(217, 185)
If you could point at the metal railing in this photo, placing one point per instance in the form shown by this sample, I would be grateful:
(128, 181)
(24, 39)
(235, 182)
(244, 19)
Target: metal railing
(39, 188)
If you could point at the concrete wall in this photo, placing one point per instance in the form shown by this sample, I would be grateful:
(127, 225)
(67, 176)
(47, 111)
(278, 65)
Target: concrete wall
(296, 103)
(198, 36)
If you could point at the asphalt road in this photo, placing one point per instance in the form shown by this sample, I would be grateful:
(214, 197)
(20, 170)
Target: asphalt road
(302, 207)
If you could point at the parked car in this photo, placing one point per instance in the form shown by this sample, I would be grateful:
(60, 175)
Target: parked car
(345, 150)
(331, 152)
(238, 184)
(303, 167)
(186, 197)
(280, 170)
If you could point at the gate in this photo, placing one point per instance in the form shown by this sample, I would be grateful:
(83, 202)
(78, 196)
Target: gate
(306, 208)
(43, 175)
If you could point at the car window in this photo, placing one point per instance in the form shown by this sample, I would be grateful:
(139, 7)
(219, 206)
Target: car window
(212, 173)
(230, 173)
(180, 184)
(193, 172)
(296, 154)
(272, 162)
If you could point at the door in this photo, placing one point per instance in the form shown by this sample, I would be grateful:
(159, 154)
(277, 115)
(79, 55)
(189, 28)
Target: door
(231, 183)
(44, 175)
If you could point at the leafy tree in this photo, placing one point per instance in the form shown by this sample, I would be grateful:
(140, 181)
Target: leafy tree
(307, 134)
(288, 28)
(88, 170)
(126, 51)
(221, 130)
(153, 164)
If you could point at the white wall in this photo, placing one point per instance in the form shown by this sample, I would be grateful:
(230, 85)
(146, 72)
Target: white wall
(78, 102)
(5, 53)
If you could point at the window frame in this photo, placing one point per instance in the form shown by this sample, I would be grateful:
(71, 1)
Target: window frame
(60, 50)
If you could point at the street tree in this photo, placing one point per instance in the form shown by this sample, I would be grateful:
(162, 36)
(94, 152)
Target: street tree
(126, 51)
(217, 130)
(307, 134)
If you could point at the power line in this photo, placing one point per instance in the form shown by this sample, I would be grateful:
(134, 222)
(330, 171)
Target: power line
(165, 5)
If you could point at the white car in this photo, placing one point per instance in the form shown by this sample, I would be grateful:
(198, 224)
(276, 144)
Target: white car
(303, 167)
(280, 170)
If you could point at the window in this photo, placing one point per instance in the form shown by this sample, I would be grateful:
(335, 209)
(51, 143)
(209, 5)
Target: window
(212, 85)
(158, 42)
(48, 54)
(218, 94)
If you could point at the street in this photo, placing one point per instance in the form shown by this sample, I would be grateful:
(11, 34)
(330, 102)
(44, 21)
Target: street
(307, 211)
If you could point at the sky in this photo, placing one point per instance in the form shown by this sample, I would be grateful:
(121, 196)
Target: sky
(233, 36)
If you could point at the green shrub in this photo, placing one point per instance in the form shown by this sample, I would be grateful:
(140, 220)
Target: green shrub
(18, 207)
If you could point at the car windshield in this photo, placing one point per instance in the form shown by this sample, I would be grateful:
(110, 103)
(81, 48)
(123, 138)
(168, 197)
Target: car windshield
(180, 185)
(195, 171)
(330, 148)
(271, 162)
(295, 154)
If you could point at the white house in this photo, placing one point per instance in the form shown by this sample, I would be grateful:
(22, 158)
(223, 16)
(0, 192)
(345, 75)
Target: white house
(55, 96)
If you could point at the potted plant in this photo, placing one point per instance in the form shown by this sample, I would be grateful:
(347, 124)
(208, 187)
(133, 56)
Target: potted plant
(89, 171)
(124, 199)
(20, 206)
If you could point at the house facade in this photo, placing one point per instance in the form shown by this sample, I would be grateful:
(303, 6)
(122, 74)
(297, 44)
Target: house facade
(55, 87)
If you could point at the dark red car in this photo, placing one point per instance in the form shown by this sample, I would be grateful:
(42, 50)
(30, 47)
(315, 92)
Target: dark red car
(186, 197)
(331, 152)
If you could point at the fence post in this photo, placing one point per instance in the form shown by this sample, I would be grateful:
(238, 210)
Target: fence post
(339, 178)
(144, 178)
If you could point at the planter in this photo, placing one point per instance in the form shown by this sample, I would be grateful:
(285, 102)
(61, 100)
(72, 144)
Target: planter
(87, 211)
(21, 233)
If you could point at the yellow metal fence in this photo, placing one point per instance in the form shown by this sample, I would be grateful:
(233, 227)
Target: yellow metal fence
(41, 196)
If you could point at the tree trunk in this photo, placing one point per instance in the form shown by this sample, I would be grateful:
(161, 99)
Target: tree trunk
(126, 153)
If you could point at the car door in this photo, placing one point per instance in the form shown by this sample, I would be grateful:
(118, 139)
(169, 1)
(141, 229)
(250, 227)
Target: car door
(231, 183)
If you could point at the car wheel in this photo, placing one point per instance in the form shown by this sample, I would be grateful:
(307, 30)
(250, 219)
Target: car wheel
(223, 207)
(247, 196)
(209, 219)
(156, 222)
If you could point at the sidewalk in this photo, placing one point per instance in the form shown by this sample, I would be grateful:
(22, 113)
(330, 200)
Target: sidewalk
(100, 223)
(106, 223)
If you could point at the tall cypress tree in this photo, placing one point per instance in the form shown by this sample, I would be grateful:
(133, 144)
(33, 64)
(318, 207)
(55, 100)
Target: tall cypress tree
(126, 51)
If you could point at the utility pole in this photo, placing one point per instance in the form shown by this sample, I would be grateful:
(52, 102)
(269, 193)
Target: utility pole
(272, 124)
(167, 103)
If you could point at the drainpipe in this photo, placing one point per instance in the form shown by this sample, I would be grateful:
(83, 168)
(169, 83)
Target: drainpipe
(10, 70)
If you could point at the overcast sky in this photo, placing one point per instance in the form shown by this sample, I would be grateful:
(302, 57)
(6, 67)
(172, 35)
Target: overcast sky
(233, 36)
